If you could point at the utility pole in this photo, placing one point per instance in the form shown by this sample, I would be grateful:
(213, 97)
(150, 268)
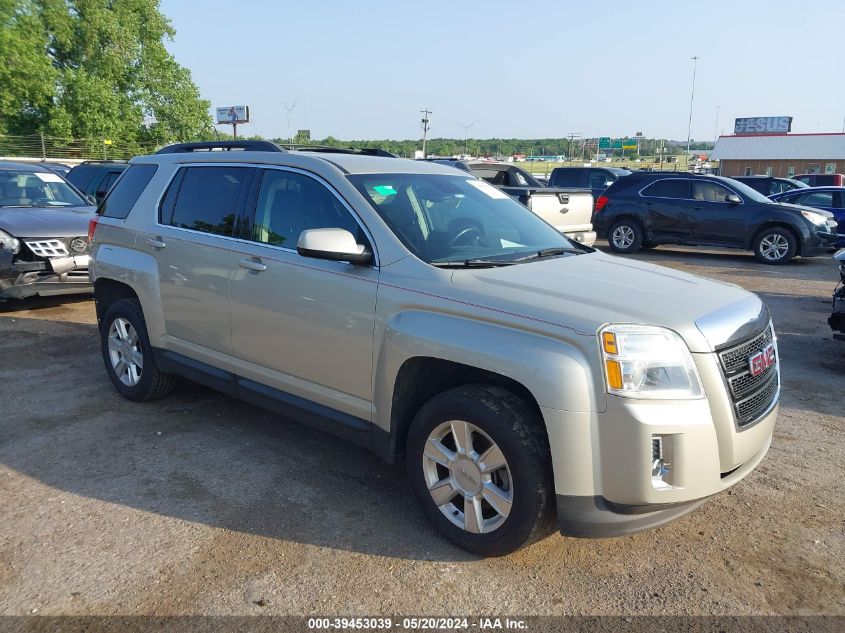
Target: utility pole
(425, 121)
(691, 100)
(466, 132)
(290, 120)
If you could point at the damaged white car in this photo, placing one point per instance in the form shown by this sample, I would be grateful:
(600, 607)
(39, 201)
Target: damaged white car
(43, 233)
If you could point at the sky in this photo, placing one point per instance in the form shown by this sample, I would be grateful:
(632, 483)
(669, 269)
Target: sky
(364, 69)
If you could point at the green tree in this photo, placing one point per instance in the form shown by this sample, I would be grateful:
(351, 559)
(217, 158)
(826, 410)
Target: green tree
(95, 69)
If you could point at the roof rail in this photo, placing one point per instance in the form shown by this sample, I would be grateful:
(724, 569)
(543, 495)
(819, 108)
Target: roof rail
(328, 149)
(226, 146)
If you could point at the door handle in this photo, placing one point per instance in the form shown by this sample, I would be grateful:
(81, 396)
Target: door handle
(251, 264)
(155, 243)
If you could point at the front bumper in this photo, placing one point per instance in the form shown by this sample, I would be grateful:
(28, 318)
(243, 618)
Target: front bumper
(48, 277)
(819, 243)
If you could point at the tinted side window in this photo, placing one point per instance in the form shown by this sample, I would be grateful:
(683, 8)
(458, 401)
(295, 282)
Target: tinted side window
(290, 203)
(819, 199)
(209, 199)
(82, 175)
(669, 188)
(598, 180)
(567, 178)
(125, 193)
(705, 191)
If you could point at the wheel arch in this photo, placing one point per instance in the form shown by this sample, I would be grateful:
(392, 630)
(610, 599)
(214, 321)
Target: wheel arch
(107, 292)
(421, 378)
(777, 224)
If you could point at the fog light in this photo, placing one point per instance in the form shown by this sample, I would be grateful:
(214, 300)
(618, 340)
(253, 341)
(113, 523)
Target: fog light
(661, 467)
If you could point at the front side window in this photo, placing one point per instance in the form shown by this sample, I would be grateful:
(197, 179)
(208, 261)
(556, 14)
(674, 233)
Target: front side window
(669, 188)
(290, 203)
(705, 191)
(497, 177)
(443, 219)
(206, 199)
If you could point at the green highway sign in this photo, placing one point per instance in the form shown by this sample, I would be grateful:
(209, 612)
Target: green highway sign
(629, 143)
(604, 142)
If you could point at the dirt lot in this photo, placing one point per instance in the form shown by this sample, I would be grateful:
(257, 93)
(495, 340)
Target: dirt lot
(198, 504)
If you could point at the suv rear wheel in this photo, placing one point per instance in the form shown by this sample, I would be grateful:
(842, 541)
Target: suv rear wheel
(775, 245)
(480, 466)
(128, 355)
(625, 236)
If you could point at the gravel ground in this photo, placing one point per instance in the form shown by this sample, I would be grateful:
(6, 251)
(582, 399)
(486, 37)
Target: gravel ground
(199, 504)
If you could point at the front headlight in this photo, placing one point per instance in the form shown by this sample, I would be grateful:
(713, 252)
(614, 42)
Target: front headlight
(816, 218)
(9, 243)
(644, 361)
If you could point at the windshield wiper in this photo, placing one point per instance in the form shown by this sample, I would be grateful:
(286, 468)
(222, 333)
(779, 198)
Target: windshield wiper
(475, 263)
(551, 252)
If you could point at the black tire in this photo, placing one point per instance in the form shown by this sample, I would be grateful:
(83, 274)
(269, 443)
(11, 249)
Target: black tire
(632, 233)
(766, 241)
(152, 383)
(512, 425)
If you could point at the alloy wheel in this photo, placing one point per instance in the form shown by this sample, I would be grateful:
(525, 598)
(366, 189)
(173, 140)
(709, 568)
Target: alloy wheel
(468, 477)
(623, 237)
(125, 353)
(774, 247)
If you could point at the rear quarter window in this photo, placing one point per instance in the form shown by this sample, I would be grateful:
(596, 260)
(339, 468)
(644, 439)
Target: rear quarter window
(126, 191)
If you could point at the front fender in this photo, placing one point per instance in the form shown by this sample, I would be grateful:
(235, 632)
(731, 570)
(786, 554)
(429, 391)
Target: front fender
(559, 374)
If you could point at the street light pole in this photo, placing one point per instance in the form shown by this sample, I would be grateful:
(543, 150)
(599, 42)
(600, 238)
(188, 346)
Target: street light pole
(290, 120)
(466, 132)
(691, 100)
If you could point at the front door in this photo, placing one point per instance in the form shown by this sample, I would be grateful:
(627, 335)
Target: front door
(714, 220)
(302, 326)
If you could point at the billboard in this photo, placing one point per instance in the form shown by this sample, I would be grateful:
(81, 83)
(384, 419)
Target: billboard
(763, 125)
(232, 114)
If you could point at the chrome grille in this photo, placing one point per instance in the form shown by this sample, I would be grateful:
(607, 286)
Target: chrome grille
(736, 357)
(48, 248)
(751, 396)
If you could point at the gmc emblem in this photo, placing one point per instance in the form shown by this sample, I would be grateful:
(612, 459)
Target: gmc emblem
(762, 360)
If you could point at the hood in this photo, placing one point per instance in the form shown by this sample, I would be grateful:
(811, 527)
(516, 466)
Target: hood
(800, 207)
(45, 222)
(584, 292)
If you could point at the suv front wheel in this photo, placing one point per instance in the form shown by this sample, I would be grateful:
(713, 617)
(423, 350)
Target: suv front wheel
(775, 245)
(479, 463)
(128, 355)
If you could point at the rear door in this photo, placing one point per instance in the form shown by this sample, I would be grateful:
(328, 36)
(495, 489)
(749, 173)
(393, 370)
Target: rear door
(667, 203)
(192, 244)
(714, 220)
(302, 327)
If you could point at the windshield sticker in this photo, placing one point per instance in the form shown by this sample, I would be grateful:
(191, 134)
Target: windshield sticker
(48, 177)
(385, 190)
(489, 189)
(507, 244)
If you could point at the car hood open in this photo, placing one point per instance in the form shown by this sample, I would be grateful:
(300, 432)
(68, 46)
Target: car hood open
(583, 292)
(45, 221)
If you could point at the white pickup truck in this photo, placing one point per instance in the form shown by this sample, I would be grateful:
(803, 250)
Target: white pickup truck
(568, 209)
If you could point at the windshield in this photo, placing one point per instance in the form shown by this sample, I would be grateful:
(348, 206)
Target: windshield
(745, 190)
(19, 188)
(444, 219)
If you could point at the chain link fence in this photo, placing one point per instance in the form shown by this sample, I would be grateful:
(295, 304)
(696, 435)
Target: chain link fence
(51, 147)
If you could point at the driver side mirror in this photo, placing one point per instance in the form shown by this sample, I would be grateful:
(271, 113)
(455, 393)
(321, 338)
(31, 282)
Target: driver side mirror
(733, 199)
(333, 244)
